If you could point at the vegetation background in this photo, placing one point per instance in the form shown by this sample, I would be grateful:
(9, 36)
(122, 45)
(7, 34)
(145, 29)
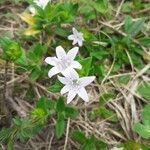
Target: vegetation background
(34, 116)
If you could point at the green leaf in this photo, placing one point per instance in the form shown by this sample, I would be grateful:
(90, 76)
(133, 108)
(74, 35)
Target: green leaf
(55, 88)
(145, 41)
(106, 114)
(40, 114)
(131, 145)
(133, 28)
(79, 137)
(60, 106)
(124, 79)
(90, 143)
(67, 12)
(146, 115)
(104, 98)
(102, 54)
(10, 145)
(86, 65)
(35, 74)
(144, 90)
(22, 61)
(5, 134)
(101, 145)
(45, 104)
(61, 32)
(144, 129)
(12, 50)
(101, 6)
(87, 11)
(71, 112)
(60, 126)
(127, 24)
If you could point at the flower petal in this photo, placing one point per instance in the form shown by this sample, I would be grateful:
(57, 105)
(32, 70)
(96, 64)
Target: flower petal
(65, 89)
(51, 60)
(71, 37)
(61, 54)
(71, 74)
(72, 53)
(63, 80)
(53, 71)
(84, 81)
(71, 96)
(41, 3)
(75, 32)
(83, 94)
(76, 65)
(32, 10)
(80, 43)
(74, 42)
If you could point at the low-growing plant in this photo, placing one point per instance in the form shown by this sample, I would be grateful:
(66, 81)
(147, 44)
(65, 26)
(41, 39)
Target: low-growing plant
(67, 51)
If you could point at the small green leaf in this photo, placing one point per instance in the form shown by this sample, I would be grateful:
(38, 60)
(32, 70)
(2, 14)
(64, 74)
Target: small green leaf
(145, 41)
(60, 106)
(45, 104)
(60, 126)
(104, 98)
(144, 90)
(131, 145)
(5, 134)
(100, 54)
(10, 145)
(133, 28)
(106, 114)
(144, 129)
(35, 74)
(79, 137)
(86, 65)
(101, 6)
(12, 50)
(71, 112)
(124, 79)
(55, 88)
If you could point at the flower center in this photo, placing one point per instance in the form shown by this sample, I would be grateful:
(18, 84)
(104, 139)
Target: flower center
(79, 36)
(64, 64)
(75, 84)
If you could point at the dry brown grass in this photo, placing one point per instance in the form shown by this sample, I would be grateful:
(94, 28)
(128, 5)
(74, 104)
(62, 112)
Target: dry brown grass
(127, 104)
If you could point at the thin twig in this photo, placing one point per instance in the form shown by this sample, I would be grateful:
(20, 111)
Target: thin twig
(67, 134)
(119, 8)
(122, 33)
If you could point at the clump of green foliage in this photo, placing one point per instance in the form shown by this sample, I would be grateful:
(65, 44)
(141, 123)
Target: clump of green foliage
(106, 47)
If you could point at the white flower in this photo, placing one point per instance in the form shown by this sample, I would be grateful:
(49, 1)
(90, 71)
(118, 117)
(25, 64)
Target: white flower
(63, 62)
(32, 10)
(75, 85)
(41, 3)
(77, 37)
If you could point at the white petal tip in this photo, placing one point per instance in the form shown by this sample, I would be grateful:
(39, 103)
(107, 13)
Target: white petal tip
(61, 93)
(49, 76)
(86, 101)
(68, 102)
(59, 46)
(46, 60)
(93, 78)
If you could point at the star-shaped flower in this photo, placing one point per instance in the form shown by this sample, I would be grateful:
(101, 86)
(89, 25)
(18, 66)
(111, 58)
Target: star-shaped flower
(41, 3)
(63, 62)
(76, 37)
(75, 85)
(32, 10)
